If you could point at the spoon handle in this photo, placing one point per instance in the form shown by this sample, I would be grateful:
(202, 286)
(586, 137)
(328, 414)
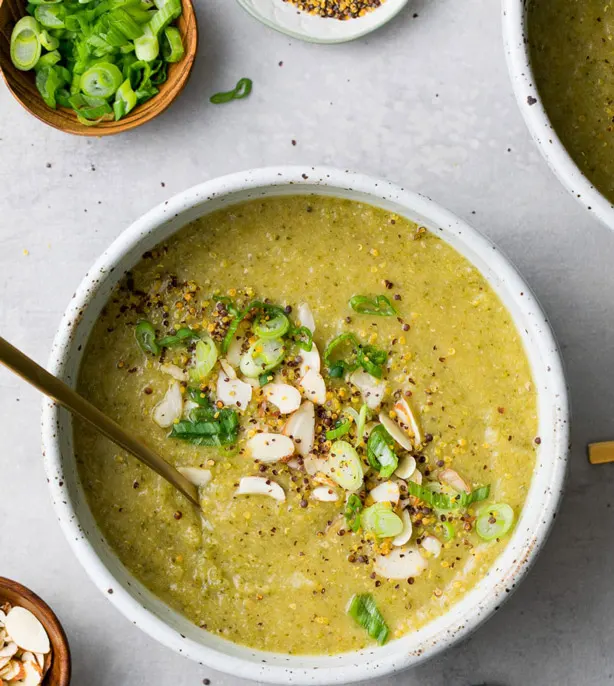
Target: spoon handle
(48, 384)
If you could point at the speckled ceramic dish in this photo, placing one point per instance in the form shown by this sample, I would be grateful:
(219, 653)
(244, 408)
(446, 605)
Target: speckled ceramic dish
(174, 630)
(286, 18)
(519, 64)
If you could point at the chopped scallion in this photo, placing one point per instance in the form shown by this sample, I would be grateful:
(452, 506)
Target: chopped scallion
(379, 305)
(494, 521)
(146, 338)
(380, 453)
(380, 520)
(340, 430)
(353, 508)
(240, 91)
(362, 609)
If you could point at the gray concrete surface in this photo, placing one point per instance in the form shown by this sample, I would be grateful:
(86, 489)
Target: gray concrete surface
(425, 102)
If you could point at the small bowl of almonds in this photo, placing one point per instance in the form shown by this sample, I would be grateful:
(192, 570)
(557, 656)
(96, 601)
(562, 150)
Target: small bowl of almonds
(33, 646)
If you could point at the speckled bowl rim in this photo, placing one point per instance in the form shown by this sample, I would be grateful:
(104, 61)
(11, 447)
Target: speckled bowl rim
(349, 30)
(515, 37)
(176, 632)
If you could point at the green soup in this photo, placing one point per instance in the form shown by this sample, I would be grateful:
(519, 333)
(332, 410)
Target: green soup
(572, 56)
(429, 336)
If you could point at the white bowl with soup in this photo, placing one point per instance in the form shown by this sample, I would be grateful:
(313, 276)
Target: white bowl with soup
(366, 391)
(558, 57)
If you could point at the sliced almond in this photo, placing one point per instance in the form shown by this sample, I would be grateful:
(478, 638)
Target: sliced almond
(371, 389)
(40, 658)
(9, 649)
(32, 675)
(400, 563)
(395, 431)
(313, 387)
(408, 421)
(387, 492)
(26, 630)
(170, 408)
(4, 661)
(451, 478)
(257, 485)
(305, 317)
(310, 360)
(324, 494)
(12, 671)
(2, 617)
(269, 447)
(432, 545)
(314, 465)
(405, 535)
(301, 426)
(233, 391)
(416, 477)
(196, 475)
(228, 369)
(286, 398)
(235, 350)
(406, 467)
(174, 371)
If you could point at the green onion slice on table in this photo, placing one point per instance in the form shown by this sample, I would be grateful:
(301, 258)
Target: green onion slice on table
(363, 609)
(379, 305)
(240, 91)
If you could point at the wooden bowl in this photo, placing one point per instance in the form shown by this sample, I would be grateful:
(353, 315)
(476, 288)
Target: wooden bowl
(22, 86)
(58, 673)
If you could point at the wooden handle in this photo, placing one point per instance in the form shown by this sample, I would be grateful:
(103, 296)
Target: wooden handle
(48, 384)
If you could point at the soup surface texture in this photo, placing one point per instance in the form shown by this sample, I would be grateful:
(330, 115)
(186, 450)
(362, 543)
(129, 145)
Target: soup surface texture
(411, 450)
(571, 53)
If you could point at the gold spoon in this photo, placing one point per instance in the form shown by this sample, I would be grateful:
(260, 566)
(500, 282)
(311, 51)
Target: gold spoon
(45, 382)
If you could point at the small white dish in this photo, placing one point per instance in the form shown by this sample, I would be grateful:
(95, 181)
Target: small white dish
(517, 52)
(287, 18)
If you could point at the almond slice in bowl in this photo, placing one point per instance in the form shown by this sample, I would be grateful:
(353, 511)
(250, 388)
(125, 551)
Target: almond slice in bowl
(269, 447)
(258, 485)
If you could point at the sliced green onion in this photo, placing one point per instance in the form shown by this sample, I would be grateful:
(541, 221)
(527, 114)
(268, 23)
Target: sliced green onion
(146, 338)
(147, 47)
(340, 430)
(122, 21)
(183, 335)
(240, 91)
(379, 305)
(101, 81)
(262, 356)
(25, 44)
(380, 453)
(90, 111)
(372, 360)
(125, 100)
(360, 424)
(362, 609)
(172, 45)
(205, 357)
(51, 17)
(494, 521)
(344, 466)
(164, 16)
(47, 41)
(49, 59)
(48, 80)
(216, 428)
(441, 501)
(448, 530)
(338, 367)
(275, 327)
(380, 520)
(353, 508)
(300, 333)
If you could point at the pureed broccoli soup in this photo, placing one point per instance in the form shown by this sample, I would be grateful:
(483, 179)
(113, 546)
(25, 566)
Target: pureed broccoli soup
(350, 396)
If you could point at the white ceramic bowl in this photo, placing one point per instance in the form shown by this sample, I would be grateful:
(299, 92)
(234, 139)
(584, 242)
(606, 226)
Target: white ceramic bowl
(515, 36)
(285, 17)
(169, 627)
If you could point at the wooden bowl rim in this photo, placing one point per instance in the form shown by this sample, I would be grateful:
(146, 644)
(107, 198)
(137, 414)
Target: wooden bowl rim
(48, 618)
(133, 120)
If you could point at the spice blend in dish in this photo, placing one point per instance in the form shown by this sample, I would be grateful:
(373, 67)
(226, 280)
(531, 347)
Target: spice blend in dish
(352, 400)
(571, 56)
(337, 9)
